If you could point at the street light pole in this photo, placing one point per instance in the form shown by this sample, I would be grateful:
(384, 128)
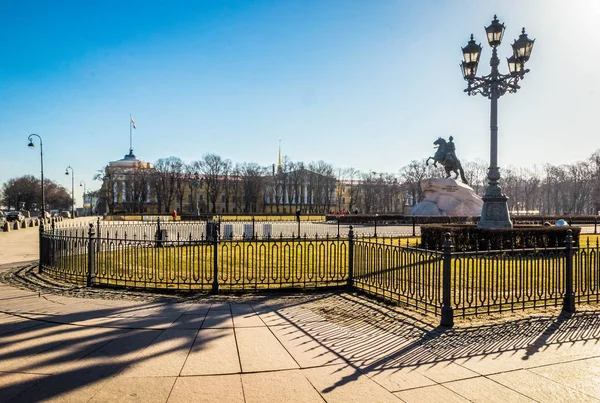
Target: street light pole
(43, 220)
(31, 145)
(82, 183)
(494, 213)
(72, 189)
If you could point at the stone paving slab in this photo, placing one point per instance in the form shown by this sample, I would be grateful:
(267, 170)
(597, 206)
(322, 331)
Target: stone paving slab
(529, 358)
(540, 388)
(485, 390)
(13, 383)
(76, 344)
(276, 387)
(165, 356)
(208, 389)
(342, 383)
(431, 394)
(581, 375)
(214, 352)
(188, 322)
(261, 351)
(218, 319)
(123, 389)
(307, 351)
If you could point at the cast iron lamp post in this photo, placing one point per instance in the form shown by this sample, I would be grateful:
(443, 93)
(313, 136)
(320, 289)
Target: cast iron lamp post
(43, 220)
(494, 213)
(72, 189)
(31, 145)
(82, 183)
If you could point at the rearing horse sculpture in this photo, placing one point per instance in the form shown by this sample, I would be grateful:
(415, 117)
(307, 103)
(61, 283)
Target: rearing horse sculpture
(446, 156)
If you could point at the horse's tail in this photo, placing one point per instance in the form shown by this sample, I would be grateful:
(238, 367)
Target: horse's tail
(462, 175)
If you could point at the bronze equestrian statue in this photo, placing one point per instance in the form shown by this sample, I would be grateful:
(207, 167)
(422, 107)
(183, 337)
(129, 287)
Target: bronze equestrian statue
(446, 156)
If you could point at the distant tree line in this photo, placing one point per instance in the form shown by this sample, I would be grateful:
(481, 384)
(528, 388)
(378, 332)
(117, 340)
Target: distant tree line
(25, 193)
(550, 189)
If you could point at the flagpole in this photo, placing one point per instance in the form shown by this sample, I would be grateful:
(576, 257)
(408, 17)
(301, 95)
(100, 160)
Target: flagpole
(130, 136)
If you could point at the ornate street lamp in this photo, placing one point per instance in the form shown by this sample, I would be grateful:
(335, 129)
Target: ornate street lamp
(82, 183)
(494, 213)
(72, 189)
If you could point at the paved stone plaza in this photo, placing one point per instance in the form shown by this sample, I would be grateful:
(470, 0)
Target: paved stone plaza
(70, 344)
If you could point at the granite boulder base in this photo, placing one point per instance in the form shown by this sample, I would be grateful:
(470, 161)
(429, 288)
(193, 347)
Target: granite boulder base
(447, 197)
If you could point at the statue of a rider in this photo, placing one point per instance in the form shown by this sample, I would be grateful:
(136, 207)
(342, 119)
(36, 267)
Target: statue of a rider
(446, 155)
(449, 152)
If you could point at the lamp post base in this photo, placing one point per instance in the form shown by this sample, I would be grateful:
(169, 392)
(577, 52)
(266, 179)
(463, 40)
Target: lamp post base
(494, 213)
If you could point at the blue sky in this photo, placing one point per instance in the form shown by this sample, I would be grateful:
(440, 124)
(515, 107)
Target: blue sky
(369, 84)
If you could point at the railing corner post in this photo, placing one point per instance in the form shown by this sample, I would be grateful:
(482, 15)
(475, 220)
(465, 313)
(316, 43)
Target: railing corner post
(91, 274)
(569, 300)
(351, 257)
(215, 283)
(447, 311)
(41, 240)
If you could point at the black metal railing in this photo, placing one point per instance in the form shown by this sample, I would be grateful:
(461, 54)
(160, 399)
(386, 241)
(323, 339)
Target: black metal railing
(402, 274)
(249, 229)
(195, 264)
(447, 283)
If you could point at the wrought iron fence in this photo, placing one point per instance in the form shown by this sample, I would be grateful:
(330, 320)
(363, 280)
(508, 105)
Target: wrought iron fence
(401, 274)
(501, 280)
(446, 283)
(195, 264)
(249, 229)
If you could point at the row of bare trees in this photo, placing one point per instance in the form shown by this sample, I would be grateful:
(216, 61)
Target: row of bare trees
(25, 193)
(318, 187)
(549, 190)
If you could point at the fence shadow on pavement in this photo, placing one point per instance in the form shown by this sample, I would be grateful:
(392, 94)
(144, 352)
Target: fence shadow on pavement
(368, 336)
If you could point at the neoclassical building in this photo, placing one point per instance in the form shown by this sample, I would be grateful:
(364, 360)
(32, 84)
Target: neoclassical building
(133, 186)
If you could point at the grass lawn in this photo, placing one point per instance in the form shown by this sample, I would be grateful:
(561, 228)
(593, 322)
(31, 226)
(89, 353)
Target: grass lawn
(241, 264)
(496, 281)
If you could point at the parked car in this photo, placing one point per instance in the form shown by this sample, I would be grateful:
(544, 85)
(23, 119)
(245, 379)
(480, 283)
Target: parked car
(65, 214)
(55, 213)
(15, 216)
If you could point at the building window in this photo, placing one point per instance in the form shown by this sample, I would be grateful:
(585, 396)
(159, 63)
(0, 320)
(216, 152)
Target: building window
(222, 198)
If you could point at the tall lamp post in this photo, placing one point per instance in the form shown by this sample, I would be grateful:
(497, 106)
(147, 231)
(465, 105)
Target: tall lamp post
(82, 183)
(31, 145)
(72, 189)
(494, 213)
(43, 220)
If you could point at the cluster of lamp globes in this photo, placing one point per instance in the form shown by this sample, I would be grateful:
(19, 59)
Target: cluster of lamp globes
(495, 31)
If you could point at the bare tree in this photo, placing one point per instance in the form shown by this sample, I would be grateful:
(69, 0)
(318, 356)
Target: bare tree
(252, 178)
(213, 167)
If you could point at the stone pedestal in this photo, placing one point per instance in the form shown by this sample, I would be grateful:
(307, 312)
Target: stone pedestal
(494, 213)
(447, 197)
